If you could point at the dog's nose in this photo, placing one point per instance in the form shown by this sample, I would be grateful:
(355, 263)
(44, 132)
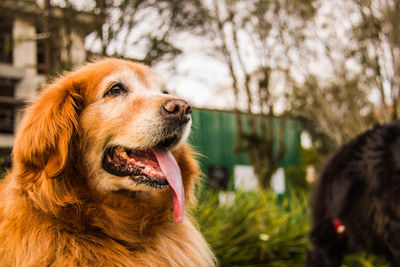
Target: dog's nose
(177, 109)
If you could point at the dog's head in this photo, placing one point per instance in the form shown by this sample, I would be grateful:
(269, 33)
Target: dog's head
(108, 123)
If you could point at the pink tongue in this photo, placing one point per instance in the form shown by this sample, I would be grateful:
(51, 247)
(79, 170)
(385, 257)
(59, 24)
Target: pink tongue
(174, 177)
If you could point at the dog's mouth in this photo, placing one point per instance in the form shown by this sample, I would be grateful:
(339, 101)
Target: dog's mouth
(155, 167)
(140, 165)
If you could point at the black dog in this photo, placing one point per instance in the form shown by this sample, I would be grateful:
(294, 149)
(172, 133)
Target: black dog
(356, 202)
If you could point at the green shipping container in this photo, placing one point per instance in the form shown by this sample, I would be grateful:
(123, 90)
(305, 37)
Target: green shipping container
(214, 132)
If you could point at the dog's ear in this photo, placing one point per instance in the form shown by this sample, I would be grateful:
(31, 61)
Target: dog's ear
(48, 128)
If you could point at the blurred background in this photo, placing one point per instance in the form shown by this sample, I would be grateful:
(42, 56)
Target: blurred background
(276, 86)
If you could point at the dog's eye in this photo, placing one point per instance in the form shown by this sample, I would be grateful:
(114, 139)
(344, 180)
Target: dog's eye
(165, 92)
(116, 89)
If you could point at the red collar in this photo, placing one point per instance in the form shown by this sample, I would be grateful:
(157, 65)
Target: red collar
(340, 228)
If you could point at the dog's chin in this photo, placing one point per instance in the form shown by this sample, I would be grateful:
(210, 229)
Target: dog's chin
(137, 169)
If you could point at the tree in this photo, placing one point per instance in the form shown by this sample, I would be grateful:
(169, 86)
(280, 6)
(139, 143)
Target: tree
(378, 38)
(362, 86)
(255, 38)
(339, 110)
(126, 25)
(142, 30)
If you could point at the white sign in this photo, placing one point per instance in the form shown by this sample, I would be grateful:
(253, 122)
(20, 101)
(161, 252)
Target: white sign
(245, 179)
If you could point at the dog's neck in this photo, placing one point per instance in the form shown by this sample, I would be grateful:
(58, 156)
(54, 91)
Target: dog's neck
(128, 216)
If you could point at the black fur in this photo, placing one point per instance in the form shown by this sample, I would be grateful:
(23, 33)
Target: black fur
(360, 186)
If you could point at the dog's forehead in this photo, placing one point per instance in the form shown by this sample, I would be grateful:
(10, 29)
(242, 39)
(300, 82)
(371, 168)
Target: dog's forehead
(133, 77)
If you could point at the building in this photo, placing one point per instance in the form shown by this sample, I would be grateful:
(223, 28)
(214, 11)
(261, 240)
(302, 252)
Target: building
(24, 63)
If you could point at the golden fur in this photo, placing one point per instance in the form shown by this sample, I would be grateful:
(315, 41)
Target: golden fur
(59, 208)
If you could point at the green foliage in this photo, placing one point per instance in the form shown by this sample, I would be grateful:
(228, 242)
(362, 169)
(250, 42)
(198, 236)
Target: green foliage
(296, 174)
(257, 228)
(364, 260)
(297, 178)
(262, 229)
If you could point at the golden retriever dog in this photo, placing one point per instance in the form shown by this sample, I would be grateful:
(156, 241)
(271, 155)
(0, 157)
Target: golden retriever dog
(101, 174)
